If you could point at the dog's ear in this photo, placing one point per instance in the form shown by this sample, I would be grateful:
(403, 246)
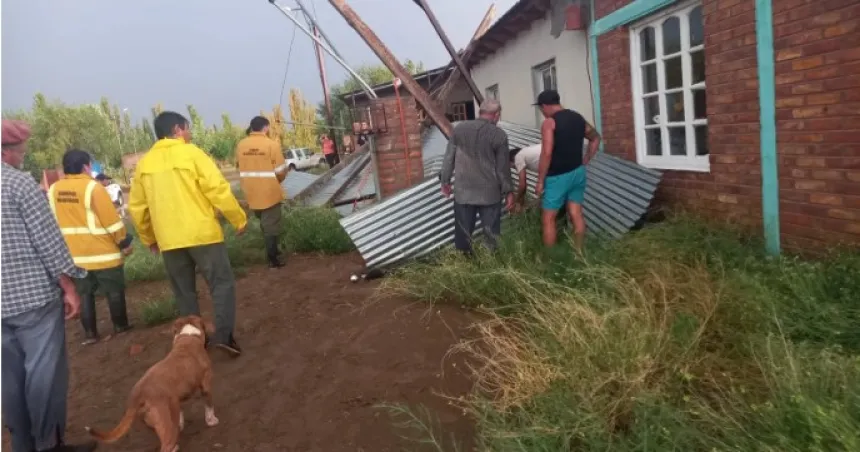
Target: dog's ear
(178, 324)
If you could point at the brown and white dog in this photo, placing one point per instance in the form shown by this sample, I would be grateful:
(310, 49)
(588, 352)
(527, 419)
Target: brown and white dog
(157, 396)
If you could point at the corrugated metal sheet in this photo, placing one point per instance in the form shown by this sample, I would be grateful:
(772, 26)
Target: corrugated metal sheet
(335, 185)
(296, 181)
(361, 186)
(420, 220)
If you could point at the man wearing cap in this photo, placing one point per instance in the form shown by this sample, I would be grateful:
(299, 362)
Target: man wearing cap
(478, 155)
(38, 293)
(561, 171)
(96, 237)
(261, 170)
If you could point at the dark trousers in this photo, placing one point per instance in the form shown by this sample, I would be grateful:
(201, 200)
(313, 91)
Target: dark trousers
(332, 159)
(214, 264)
(35, 377)
(466, 216)
(110, 282)
(270, 223)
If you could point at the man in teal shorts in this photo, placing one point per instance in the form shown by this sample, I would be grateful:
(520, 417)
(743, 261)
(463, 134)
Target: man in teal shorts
(562, 168)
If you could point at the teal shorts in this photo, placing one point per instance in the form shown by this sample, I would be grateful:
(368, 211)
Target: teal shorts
(563, 188)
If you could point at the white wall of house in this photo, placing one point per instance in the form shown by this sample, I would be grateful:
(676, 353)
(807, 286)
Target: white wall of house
(511, 68)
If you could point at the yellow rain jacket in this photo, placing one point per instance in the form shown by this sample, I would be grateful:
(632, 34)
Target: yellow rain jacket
(88, 221)
(262, 169)
(174, 196)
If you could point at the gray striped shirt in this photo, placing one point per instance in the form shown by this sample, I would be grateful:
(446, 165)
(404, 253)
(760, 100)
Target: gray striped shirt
(479, 154)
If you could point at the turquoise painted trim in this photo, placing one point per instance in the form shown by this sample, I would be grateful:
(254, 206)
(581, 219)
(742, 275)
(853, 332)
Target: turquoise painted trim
(595, 79)
(767, 112)
(633, 11)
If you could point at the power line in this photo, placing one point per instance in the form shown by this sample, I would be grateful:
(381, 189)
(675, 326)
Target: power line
(287, 69)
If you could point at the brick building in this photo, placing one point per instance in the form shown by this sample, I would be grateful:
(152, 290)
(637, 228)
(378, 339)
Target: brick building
(682, 89)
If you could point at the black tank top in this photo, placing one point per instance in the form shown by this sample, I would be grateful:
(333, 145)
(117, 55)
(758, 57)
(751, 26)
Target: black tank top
(567, 144)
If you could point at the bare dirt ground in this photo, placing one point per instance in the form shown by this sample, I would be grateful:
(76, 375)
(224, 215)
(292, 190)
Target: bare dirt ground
(319, 356)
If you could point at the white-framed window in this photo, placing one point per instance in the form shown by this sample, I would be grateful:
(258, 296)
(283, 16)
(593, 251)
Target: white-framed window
(492, 92)
(543, 77)
(669, 101)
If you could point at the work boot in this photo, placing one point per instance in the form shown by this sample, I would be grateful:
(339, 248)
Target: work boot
(231, 347)
(118, 312)
(272, 253)
(88, 319)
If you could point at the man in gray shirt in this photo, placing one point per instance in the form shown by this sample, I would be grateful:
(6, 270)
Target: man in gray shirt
(478, 153)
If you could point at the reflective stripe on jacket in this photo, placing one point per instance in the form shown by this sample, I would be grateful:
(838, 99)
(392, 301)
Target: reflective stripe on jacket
(261, 169)
(174, 196)
(88, 221)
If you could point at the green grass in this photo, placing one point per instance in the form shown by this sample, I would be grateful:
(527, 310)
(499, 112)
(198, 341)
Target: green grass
(679, 337)
(158, 311)
(306, 230)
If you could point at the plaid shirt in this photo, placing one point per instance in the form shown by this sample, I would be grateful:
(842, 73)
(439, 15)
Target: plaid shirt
(34, 254)
(479, 151)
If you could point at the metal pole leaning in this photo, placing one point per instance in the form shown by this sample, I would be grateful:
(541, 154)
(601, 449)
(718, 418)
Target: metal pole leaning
(286, 11)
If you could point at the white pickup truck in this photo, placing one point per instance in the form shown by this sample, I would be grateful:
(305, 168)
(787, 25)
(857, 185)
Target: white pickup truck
(302, 159)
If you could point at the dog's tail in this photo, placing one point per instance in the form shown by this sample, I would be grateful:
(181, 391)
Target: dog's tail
(119, 431)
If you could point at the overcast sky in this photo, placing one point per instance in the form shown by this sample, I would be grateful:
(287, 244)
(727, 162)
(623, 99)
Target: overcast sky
(219, 55)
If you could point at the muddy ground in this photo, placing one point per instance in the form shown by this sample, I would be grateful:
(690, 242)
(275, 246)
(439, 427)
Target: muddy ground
(320, 353)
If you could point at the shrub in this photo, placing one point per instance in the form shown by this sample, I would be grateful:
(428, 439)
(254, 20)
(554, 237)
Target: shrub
(682, 336)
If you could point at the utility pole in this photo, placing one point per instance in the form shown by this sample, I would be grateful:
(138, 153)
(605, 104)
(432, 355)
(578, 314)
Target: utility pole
(454, 55)
(326, 95)
(396, 68)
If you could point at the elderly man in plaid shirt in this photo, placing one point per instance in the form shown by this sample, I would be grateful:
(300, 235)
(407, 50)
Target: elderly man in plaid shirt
(37, 294)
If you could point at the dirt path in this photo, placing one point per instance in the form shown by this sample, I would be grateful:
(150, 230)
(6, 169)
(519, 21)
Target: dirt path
(318, 358)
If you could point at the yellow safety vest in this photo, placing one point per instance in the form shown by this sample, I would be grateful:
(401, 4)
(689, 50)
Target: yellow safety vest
(88, 221)
(261, 169)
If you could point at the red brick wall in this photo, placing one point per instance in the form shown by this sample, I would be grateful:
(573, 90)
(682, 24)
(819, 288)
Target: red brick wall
(396, 171)
(733, 187)
(817, 46)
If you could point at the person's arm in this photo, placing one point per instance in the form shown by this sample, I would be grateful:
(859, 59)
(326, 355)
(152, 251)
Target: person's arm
(448, 166)
(278, 161)
(547, 131)
(44, 233)
(138, 210)
(503, 164)
(593, 142)
(107, 215)
(218, 191)
(522, 182)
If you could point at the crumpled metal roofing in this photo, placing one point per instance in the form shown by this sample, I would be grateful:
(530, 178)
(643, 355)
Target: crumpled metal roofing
(420, 220)
(296, 182)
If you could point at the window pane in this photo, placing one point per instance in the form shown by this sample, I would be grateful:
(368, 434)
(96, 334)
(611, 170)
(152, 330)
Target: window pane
(675, 106)
(698, 62)
(653, 142)
(652, 110)
(697, 33)
(554, 78)
(290, 155)
(649, 78)
(671, 36)
(702, 140)
(646, 43)
(674, 74)
(547, 80)
(700, 104)
(678, 140)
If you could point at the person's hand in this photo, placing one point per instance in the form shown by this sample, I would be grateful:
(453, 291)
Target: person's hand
(127, 251)
(72, 304)
(509, 202)
(446, 190)
(154, 248)
(539, 188)
(241, 230)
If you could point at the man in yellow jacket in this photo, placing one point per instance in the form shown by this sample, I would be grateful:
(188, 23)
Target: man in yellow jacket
(97, 240)
(262, 169)
(175, 194)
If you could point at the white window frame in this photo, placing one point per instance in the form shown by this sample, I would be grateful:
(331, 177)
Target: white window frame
(492, 89)
(666, 161)
(537, 82)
